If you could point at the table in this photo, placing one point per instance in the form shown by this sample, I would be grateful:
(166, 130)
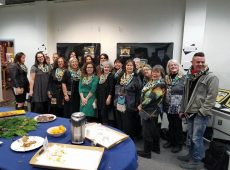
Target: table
(121, 157)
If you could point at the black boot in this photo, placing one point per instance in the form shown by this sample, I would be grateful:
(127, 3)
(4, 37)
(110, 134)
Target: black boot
(147, 150)
(176, 149)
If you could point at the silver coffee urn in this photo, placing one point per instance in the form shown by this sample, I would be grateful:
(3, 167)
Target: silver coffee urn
(78, 121)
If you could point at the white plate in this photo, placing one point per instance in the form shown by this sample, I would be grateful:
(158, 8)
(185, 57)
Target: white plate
(47, 115)
(18, 144)
(55, 135)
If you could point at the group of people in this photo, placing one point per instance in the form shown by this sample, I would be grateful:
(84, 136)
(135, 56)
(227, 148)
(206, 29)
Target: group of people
(136, 94)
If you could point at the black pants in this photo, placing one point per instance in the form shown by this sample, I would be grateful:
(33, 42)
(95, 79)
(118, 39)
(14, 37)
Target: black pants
(40, 107)
(151, 133)
(175, 130)
(103, 115)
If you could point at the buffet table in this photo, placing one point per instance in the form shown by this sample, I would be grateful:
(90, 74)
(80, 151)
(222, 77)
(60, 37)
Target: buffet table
(121, 156)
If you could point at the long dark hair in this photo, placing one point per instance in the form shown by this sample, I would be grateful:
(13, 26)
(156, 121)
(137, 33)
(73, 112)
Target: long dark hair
(36, 60)
(84, 72)
(18, 56)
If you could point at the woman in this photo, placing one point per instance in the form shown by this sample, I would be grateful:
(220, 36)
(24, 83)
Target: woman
(88, 59)
(55, 87)
(127, 97)
(102, 58)
(20, 83)
(105, 90)
(175, 86)
(117, 68)
(87, 89)
(151, 98)
(70, 83)
(39, 75)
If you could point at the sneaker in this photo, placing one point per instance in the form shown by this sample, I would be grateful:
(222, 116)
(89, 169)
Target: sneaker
(144, 154)
(192, 165)
(167, 145)
(185, 158)
(176, 149)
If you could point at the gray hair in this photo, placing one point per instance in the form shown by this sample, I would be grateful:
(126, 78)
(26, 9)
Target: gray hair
(180, 71)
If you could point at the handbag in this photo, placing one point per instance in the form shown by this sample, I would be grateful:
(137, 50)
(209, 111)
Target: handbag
(121, 104)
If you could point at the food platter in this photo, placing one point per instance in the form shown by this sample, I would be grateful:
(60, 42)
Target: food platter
(27, 143)
(12, 113)
(43, 118)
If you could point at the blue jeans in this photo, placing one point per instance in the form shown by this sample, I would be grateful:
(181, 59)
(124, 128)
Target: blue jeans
(196, 129)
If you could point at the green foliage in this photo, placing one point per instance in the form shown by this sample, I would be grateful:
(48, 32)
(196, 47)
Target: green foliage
(16, 126)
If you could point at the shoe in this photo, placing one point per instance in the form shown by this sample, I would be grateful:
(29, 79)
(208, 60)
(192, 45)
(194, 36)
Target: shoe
(176, 149)
(167, 145)
(144, 154)
(185, 158)
(192, 165)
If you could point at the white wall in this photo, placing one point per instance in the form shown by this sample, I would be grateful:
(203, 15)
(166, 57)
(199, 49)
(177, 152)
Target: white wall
(100, 21)
(217, 37)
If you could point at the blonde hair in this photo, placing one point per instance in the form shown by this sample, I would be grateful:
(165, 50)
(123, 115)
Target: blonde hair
(180, 71)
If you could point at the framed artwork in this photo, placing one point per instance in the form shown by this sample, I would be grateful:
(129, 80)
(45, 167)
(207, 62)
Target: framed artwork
(223, 94)
(149, 53)
(81, 49)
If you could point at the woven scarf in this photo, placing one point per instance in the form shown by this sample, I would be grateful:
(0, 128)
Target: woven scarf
(75, 75)
(23, 67)
(59, 73)
(193, 76)
(125, 80)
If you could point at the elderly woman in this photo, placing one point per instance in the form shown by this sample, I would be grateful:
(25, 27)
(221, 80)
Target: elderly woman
(105, 90)
(39, 75)
(55, 87)
(175, 86)
(152, 96)
(20, 83)
(70, 83)
(127, 98)
(87, 89)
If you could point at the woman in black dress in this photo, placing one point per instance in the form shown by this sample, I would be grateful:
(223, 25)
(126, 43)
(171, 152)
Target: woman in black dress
(55, 87)
(70, 83)
(104, 92)
(18, 74)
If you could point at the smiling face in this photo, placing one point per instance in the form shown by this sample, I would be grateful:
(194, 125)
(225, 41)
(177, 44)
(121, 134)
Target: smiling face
(198, 63)
(74, 64)
(89, 69)
(106, 68)
(103, 58)
(61, 63)
(173, 68)
(40, 58)
(117, 65)
(88, 60)
(23, 59)
(129, 68)
(156, 74)
(147, 72)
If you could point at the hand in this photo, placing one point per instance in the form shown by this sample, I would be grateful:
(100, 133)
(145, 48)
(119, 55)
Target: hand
(108, 101)
(66, 98)
(19, 90)
(139, 107)
(49, 95)
(31, 93)
(181, 115)
(84, 101)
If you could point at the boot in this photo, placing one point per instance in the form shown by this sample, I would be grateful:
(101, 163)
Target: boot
(147, 150)
(167, 145)
(176, 149)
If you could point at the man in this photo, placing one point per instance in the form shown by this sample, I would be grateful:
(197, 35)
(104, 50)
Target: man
(200, 91)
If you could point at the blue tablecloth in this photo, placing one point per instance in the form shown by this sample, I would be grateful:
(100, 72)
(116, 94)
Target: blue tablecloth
(121, 157)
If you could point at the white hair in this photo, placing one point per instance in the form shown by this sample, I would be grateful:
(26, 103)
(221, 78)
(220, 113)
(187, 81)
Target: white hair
(180, 71)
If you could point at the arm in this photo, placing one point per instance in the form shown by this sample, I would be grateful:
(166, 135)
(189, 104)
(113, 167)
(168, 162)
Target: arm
(210, 100)
(32, 78)
(93, 87)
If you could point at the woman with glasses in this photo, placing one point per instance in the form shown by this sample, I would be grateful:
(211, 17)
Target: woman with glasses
(87, 89)
(105, 90)
(55, 87)
(20, 83)
(70, 83)
(152, 96)
(39, 75)
(127, 98)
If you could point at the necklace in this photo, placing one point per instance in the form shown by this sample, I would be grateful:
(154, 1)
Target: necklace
(126, 79)
(43, 68)
(87, 80)
(59, 73)
(103, 78)
(75, 75)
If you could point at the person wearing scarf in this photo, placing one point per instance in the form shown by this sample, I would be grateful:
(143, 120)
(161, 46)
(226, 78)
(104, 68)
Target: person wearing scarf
(104, 93)
(152, 96)
(18, 74)
(175, 87)
(39, 76)
(70, 83)
(55, 92)
(199, 97)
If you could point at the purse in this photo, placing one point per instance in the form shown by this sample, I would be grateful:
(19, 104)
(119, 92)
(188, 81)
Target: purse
(121, 104)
